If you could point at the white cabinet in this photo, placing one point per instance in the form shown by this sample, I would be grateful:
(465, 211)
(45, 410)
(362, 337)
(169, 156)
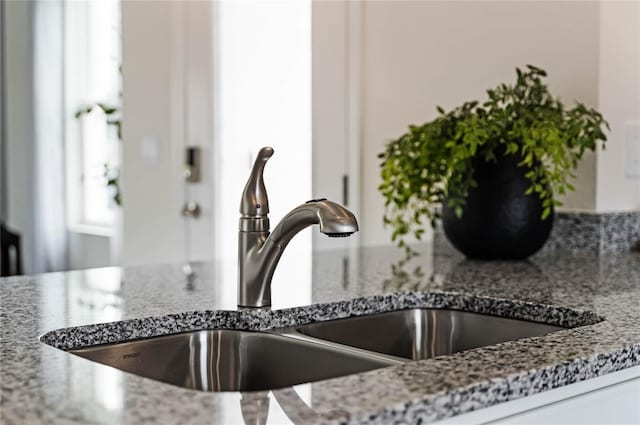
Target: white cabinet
(616, 404)
(610, 399)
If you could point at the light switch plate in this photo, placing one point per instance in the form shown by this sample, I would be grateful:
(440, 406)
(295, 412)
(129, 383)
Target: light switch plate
(150, 150)
(632, 138)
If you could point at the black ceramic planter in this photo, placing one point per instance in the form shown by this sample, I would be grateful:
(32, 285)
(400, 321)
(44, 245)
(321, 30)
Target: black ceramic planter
(499, 221)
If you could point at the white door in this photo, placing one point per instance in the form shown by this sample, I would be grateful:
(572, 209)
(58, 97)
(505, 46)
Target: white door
(167, 72)
(193, 112)
(222, 77)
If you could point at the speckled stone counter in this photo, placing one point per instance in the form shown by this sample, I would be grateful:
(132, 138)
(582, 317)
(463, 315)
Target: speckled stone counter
(42, 384)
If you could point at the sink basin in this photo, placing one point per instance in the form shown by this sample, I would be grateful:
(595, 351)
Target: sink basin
(234, 360)
(424, 333)
(227, 360)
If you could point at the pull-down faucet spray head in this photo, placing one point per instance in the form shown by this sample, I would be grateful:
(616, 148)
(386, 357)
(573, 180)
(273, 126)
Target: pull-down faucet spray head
(334, 220)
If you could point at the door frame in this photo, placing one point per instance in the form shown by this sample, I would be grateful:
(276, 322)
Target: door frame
(336, 106)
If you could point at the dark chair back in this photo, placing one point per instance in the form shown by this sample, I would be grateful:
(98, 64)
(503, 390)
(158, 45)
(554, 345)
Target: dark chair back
(9, 242)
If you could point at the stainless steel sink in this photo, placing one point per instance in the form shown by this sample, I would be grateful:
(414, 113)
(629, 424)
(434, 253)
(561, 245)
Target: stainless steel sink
(424, 333)
(232, 360)
(227, 360)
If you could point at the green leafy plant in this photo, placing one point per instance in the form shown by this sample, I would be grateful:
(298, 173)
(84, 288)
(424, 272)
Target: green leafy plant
(432, 163)
(112, 114)
(110, 173)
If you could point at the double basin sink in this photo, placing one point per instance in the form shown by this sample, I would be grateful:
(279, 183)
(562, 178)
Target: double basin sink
(234, 360)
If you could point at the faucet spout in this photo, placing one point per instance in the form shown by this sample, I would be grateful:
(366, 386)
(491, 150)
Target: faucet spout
(259, 251)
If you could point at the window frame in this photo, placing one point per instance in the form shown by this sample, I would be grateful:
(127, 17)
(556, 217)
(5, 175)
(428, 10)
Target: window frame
(78, 76)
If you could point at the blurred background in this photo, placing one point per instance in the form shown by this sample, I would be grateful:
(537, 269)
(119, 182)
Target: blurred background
(129, 127)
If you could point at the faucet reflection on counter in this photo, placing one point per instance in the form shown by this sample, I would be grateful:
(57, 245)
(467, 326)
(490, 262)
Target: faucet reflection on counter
(259, 251)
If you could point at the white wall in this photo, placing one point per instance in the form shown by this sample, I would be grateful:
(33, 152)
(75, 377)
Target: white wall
(619, 101)
(417, 55)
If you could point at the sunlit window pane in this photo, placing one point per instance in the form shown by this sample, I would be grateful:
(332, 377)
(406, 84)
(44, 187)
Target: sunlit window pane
(92, 77)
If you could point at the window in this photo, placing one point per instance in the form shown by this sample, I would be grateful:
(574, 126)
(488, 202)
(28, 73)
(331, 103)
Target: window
(92, 98)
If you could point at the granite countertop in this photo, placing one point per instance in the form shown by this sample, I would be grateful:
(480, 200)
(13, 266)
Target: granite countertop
(42, 384)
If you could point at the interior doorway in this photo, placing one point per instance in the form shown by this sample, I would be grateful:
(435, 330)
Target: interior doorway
(262, 95)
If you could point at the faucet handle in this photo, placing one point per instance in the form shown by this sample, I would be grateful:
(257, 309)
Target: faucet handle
(255, 201)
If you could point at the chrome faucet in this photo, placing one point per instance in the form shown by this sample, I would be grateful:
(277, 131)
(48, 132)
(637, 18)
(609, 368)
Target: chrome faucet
(259, 251)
